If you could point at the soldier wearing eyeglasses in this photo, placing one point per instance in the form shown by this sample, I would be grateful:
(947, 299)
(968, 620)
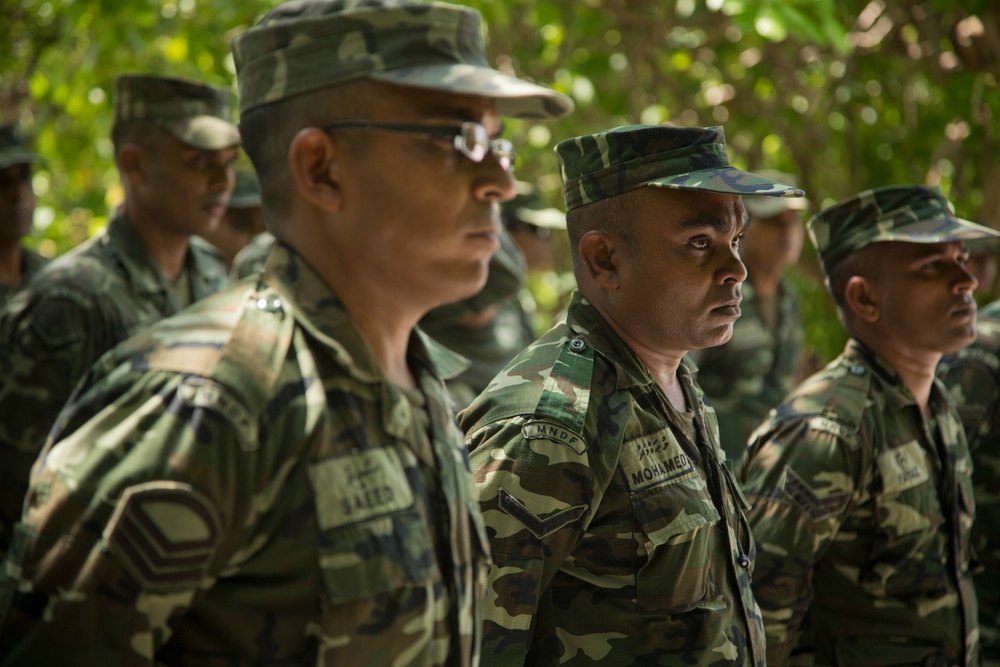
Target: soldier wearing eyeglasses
(274, 475)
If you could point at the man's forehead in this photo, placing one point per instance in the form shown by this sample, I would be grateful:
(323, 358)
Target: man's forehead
(438, 105)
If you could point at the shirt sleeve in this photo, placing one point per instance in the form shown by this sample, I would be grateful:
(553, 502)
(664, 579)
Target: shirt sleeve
(128, 519)
(536, 497)
(801, 477)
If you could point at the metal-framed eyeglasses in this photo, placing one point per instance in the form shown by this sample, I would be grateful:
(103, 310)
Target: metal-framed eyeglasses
(470, 139)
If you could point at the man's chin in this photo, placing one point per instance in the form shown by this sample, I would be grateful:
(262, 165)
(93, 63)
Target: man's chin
(715, 338)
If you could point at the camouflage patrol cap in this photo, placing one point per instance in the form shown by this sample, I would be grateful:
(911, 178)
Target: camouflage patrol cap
(14, 148)
(911, 213)
(246, 192)
(307, 45)
(616, 161)
(196, 113)
(528, 207)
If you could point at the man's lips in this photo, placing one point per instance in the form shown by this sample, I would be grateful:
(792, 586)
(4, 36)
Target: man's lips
(964, 310)
(730, 308)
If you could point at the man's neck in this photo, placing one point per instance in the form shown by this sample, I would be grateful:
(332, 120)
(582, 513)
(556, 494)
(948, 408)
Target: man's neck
(916, 369)
(661, 364)
(385, 319)
(11, 264)
(168, 250)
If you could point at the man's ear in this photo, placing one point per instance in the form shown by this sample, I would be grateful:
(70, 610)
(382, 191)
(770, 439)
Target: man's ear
(600, 258)
(132, 163)
(861, 298)
(316, 163)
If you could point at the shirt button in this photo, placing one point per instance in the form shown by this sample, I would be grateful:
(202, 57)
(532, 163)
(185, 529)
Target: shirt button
(577, 345)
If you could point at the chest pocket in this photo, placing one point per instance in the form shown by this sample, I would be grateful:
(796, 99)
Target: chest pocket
(372, 537)
(675, 516)
(910, 534)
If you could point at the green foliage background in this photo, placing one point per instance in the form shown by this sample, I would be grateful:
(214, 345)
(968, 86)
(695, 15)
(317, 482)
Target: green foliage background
(848, 94)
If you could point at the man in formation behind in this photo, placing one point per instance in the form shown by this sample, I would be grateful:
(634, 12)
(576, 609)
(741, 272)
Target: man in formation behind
(861, 480)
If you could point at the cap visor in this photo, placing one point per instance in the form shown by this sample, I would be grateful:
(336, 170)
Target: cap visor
(514, 97)
(938, 231)
(727, 180)
(768, 207)
(205, 132)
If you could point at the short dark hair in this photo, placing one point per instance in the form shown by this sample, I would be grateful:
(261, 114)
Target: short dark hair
(862, 263)
(144, 133)
(267, 131)
(612, 216)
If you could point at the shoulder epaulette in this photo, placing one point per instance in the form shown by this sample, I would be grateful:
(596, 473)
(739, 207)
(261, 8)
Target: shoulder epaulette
(565, 395)
(834, 401)
(236, 373)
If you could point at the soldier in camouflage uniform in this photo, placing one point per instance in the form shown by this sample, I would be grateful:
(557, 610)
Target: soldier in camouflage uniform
(17, 208)
(750, 374)
(616, 531)
(973, 376)
(174, 146)
(274, 476)
(861, 480)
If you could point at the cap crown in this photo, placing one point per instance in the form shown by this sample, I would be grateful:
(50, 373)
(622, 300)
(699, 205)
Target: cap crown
(910, 213)
(159, 98)
(613, 162)
(307, 45)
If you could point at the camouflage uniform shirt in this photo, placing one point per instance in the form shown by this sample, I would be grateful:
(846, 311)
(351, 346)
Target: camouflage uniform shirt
(862, 511)
(754, 371)
(241, 485)
(973, 376)
(616, 530)
(31, 263)
(73, 311)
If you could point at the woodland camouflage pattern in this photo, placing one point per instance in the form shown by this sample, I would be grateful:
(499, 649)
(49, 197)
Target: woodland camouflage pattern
(746, 377)
(911, 213)
(862, 526)
(616, 531)
(76, 309)
(300, 47)
(610, 163)
(973, 376)
(278, 501)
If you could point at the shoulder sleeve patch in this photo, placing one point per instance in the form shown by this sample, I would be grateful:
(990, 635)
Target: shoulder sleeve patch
(163, 534)
(201, 393)
(827, 425)
(538, 429)
(816, 505)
